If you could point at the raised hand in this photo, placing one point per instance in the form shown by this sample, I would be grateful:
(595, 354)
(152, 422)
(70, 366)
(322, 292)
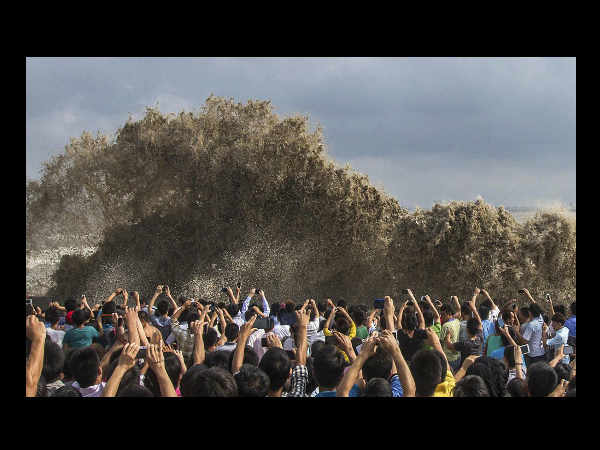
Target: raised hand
(387, 341)
(35, 330)
(273, 341)
(167, 291)
(159, 289)
(369, 346)
(343, 341)
(155, 356)
(302, 318)
(247, 329)
(476, 291)
(128, 356)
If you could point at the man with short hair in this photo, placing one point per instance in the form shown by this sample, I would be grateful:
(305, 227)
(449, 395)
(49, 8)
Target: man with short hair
(232, 331)
(83, 334)
(561, 335)
(86, 369)
(53, 330)
(530, 332)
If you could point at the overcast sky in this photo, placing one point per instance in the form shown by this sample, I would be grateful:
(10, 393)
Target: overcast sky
(423, 129)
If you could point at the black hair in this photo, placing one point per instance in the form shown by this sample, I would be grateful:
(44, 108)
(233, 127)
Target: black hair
(210, 337)
(484, 312)
(429, 317)
(80, 316)
(378, 387)
(322, 307)
(465, 310)
(427, 371)
(172, 367)
(359, 316)
(342, 325)
(517, 388)
(378, 365)
(276, 364)
(219, 358)
(328, 366)
(52, 315)
(144, 316)
(509, 354)
(250, 357)
(249, 313)
(84, 364)
(233, 309)
(66, 391)
(54, 360)
(559, 318)
(493, 372)
(162, 307)
(506, 315)
(563, 371)
(71, 304)
(213, 382)
(525, 311)
(109, 308)
(135, 390)
(449, 309)
(535, 310)
(252, 381)
(232, 330)
(473, 326)
(471, 386)
(560, 309)
(541, 379)
(316, 347)
(409, 319)
(341, 303)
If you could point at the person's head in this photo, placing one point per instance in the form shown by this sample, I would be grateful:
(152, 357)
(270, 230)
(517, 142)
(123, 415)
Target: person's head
(517, 388)
(541, 379)
(342, 303)
(173, 368)
(66, 391)
(524, 314)
(378, 365)
(144, 317)
(409, 319)
(359, 316)
(493, 372)
(162, 307)
(275, 308)
(53, 316)
(508, 317)
(484, 312)
(342, 325)
(465, 311)
(573, 309)
(71, 304)
(80, 316)
(278, 367)
(199, 381)
(563, 371)
(85, 366)
(233, 309)
(250, 357)
(535, 310)
(378, 387)
(429, 317)
(427, 371)
(472, 327)
(54, 361)
(252, 381)
(316, 347)
(217, 359)
(210, 339)
(471, 386)
(560, 309)
(328, 365)
(135, 390)
(448, 310)
(290, 306)
(109, 308)
(558, 321)
(356, 341)
(232, 330)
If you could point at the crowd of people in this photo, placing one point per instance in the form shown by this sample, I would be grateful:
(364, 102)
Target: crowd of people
(129, 347)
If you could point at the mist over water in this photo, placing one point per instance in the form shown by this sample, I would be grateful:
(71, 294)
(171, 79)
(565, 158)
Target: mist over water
(201, 201)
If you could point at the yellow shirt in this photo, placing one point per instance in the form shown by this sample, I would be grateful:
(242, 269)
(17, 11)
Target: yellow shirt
(445, 389)
(351, 334)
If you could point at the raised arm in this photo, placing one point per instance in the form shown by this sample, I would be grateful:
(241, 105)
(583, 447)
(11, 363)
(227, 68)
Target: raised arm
(400, 313)
(527, 294)
(489, 298)
(136, 297)
(549, 301)
(238, 354)
(418, 308)
(156, 358)
(434, 341)
(302, 319)
(157, 292)
(388, 313)
(126, 362)
(36, 332)
(353, 372)
(331, 316)
(390, 344)
(266, 308)
(232, 297)
(113, 295)
(197, 328)
(246, 303)
(435, 311)
(131, 321)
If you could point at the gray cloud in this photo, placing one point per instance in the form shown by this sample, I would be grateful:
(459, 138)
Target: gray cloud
(503, 128)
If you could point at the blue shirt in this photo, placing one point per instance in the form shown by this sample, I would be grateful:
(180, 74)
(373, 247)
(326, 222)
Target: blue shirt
(488, 328)
(571, 325)
(354, 392)
(396, 386)
(559, 339)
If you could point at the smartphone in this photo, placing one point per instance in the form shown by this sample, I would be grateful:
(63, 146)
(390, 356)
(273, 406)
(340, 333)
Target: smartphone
(524, 349)
(263, 323)
(239, 284)
(567, 349)
(263, 342)
(379, 302)
(521, 291)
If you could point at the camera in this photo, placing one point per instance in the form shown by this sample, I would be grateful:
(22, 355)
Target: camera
(224, 290)
(263, 342)
(521, 291)
(257, 291)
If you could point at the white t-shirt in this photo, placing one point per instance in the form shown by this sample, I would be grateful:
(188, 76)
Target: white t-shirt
(56, 336)
(254, 341)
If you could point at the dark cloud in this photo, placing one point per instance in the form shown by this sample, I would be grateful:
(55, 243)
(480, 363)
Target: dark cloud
(425, 129)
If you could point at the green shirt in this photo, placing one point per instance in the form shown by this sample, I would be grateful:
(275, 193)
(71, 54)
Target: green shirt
(494, 342)
(80, 337)
(362, 332)
(437, 327)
